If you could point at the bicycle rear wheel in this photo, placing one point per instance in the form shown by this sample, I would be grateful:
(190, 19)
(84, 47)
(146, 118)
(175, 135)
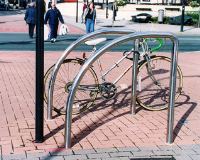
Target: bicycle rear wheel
(153, 96)
(85, 94)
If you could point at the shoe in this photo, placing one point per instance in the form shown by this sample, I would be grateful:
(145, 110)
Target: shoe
(51, 40)
(54, 40)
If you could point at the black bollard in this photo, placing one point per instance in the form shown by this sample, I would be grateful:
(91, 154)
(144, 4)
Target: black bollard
(77, 11)
(182, 17)
(39, 103)
(106, 8)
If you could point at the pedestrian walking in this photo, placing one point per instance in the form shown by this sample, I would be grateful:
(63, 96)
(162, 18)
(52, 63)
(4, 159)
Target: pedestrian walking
(24, 4)
(6, 5)
(115, 9)
(90, 17)
(49, 4)
(84, 7)
(14, 5)
(53, 15)
(30, 19)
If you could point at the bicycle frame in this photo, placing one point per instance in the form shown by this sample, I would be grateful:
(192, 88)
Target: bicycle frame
(145, 55)
(114, 66)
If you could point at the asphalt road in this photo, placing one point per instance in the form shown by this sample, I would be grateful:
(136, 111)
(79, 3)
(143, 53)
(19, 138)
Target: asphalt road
(22, 42)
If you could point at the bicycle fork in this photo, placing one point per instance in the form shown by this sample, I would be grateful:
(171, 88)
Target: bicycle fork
(149, 69)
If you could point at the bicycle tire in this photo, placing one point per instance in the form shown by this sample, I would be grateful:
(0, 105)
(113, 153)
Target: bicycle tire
(64, 79)
(151, 96)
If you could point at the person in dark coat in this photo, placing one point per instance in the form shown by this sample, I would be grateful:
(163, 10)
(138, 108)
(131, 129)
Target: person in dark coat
(30, 19)
(115, 9)
(24, 4)
(53, 15)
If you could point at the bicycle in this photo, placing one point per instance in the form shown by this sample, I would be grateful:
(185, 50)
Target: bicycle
(153, 80)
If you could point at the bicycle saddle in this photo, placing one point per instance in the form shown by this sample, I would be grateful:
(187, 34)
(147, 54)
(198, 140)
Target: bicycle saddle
(93, 42)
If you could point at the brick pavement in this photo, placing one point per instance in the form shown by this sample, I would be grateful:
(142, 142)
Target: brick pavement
(106, 130)
(16, 24)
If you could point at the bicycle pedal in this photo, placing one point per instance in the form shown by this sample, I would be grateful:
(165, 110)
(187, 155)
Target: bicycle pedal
(123, 86)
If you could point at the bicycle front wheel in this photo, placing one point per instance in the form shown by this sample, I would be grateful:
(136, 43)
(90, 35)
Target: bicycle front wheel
(85, 94)
(154, 95)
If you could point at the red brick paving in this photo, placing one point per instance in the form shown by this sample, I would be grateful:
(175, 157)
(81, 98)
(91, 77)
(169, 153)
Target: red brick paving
(16, 24)
(106, 124)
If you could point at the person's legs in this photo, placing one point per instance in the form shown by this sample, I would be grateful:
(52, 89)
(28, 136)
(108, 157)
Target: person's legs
(31, 30)
(55, 31)
(88, 26)
(82, 17)
(92, 26)
(51, 31)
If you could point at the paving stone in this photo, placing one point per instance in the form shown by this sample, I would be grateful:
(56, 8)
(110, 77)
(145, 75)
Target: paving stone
(143, 153)
(189, 147)
(169, 148)
(72, 157)
(53, 158)
(140, 158)
(124, 158)
(42, 154)
(195, 157)
(112, 158)
(85, 151)
(163, 157)
(63, 153)
(99, 155)
(197, 150)
(164, 153)
(14, 157)
(121, 154)
(184, 157)
(106, 150)
(151, 148)
(127, 149)
(185, 152)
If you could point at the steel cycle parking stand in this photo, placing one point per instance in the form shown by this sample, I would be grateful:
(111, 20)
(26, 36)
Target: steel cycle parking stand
(67, 52)
(108, 46)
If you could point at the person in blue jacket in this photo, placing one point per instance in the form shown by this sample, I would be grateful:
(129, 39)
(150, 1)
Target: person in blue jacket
(30, 19)
(53, 15)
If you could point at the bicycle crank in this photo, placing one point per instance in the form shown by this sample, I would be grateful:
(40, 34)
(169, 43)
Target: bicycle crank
(108, 90)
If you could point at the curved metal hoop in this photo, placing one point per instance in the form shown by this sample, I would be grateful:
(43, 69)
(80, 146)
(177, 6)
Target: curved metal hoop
(107, 47)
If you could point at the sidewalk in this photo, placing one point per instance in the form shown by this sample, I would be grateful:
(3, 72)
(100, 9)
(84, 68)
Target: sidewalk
(9, 25)
(106, 130)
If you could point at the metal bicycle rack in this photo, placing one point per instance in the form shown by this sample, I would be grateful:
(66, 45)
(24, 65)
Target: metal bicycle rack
(108, 46)
(67, 52)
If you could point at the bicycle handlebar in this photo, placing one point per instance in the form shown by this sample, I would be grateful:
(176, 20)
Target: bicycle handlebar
(158, 47)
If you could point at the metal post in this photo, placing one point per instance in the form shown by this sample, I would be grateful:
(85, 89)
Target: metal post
(182, 17)
(39, 106)
(113, 7)
(134, 79)
(172, 91)
(19, 4)
(106, 8)
(199, 18)
(77, 11)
